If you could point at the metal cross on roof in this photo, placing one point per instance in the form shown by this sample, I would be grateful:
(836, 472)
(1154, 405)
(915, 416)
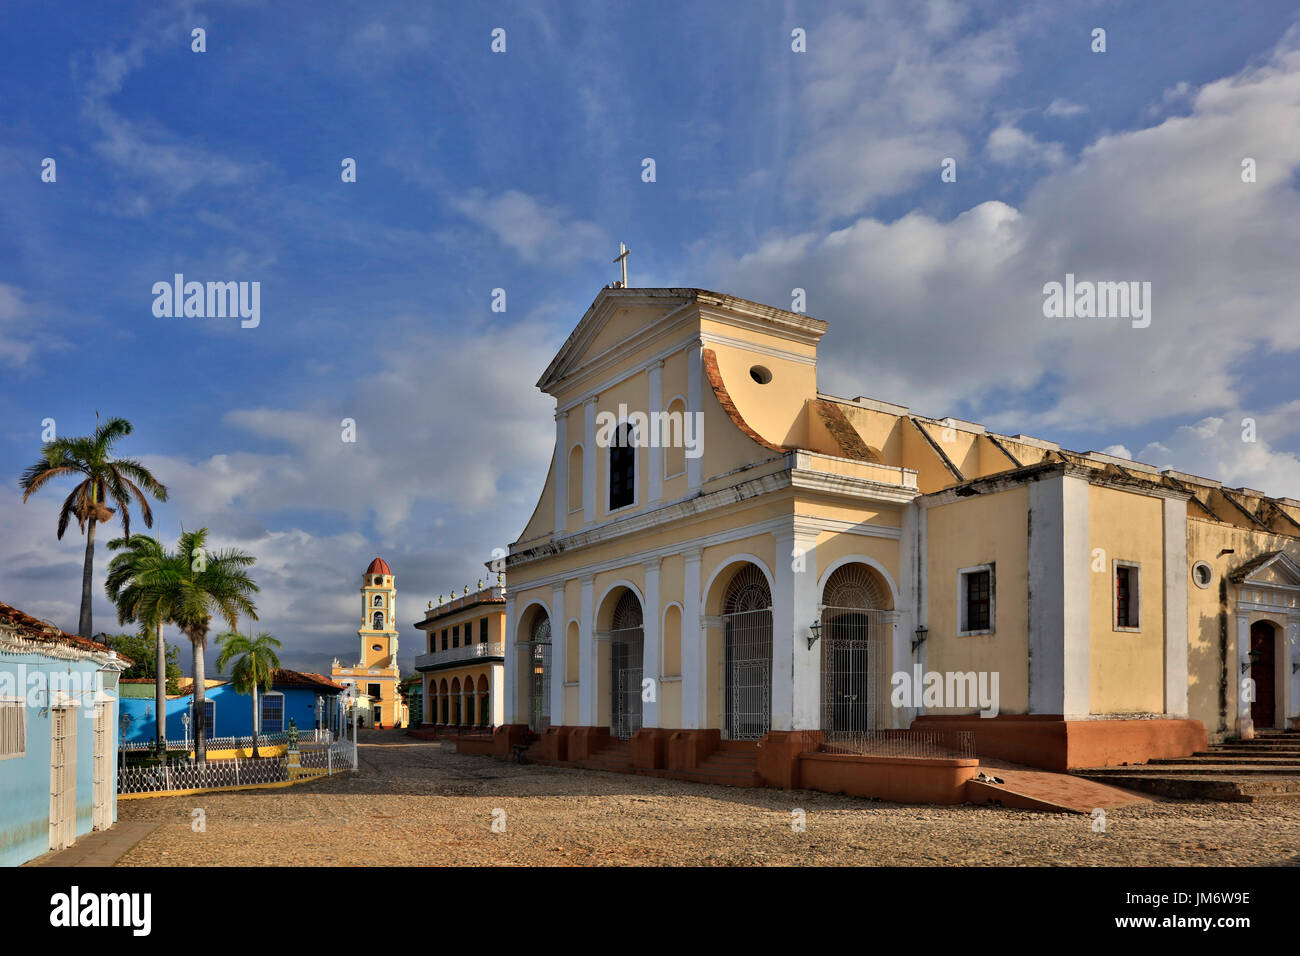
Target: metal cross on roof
(622, 258)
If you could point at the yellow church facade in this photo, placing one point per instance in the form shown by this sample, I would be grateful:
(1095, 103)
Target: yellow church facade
(724, 556)
(374, 679)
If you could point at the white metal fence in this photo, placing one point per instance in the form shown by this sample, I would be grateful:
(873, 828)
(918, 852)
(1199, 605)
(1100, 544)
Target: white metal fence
(232, 743)
(314, 760)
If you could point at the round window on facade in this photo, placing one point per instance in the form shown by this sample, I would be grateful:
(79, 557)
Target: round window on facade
(760, 374)
(1202, 574)
(376, 647)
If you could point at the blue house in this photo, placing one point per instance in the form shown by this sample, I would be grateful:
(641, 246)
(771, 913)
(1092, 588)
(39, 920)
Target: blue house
(310, 700)
(58, 736)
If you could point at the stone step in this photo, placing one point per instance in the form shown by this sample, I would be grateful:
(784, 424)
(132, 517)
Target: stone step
(724, 777)
(1193, 786)
(1230, 760)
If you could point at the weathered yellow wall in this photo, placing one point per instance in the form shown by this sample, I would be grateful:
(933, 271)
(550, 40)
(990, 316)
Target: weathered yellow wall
(988, 529)
(1127, 668)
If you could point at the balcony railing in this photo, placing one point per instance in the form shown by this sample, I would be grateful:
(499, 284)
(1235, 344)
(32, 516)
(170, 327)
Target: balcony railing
(464, 653)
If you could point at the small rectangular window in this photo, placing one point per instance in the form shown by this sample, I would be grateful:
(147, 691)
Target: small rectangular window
(272, 714)
(373, 690)
(975, 594)
(482, 630)
(13, 727)
(444, 638)
(1127, 603)
(455, 636)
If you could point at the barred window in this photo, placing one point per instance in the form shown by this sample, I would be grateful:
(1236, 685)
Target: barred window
(976, 600)
(272, 713)
(13, 727)
(1126, 596)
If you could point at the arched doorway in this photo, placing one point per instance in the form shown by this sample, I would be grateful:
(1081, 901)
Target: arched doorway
(455, 701)
(484, 708)
(747, 634)
(539, 677)
(626, 662)
(444, 696)
(1263, 709)
(854, 629)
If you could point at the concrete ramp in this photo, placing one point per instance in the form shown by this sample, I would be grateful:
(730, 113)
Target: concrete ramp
(1046, 791)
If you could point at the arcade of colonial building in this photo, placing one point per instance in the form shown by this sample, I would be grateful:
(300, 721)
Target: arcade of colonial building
(463, 666)
(772, 584)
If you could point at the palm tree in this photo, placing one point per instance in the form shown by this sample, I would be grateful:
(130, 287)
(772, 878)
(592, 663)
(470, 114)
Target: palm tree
(188, 587)
(128, 588)
(256, 666)
(104, 477)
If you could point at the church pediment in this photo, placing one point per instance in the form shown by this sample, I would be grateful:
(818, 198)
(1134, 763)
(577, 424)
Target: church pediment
(1273, 569)
(616, 319)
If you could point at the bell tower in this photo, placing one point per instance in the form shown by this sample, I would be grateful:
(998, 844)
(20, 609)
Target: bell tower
(378, 631)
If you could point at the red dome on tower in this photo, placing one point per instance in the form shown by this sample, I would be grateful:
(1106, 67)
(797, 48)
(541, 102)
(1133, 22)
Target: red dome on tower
(379, 566)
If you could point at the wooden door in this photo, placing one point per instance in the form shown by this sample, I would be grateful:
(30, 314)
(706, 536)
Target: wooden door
(1262, 711)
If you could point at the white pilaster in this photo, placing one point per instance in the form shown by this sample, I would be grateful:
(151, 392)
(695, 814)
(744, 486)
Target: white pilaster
(912, 560)
(589, 453)
(655, 454)
(694, 404)
(561, 472)
(559, 647)
(650, 630)
(1059, 588)
(513, 665)
(1290, 657)
(1240, 672)
(1176, 573)
(587, 710)
(693, 650)
(795, 666)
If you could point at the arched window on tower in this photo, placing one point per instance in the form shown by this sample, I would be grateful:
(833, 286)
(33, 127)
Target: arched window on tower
(378, 601)
(378, 621)
(622, 467)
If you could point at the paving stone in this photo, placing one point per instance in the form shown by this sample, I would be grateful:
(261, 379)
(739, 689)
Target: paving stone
(418, 802)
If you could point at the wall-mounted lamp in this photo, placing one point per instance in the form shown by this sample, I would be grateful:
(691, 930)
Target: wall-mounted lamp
(1295, 666)
(922, 633)
(1245, 666)
(814, 633)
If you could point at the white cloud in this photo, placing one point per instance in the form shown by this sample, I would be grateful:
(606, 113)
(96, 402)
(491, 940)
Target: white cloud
(883, 102)
(1214, 447)
(1009, 145)
(1064, 108)
(537, 231)
(936, 313)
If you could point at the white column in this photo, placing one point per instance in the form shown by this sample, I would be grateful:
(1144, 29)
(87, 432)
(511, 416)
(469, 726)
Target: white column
(655, 454)
(1290, 657)
(1240, 673)
(559, 647)
(587, 710)
(512, 663)
(650, 617)
(1059, 588)
(589, 453)
(561, 472)
(1175, 588)
(795, 666)
(693, 649)
(496, 687)
(694, 403)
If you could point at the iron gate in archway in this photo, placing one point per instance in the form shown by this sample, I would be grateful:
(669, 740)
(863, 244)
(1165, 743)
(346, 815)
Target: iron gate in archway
(626, 665)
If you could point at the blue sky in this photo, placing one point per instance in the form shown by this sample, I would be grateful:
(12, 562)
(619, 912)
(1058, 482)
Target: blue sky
(522, 171)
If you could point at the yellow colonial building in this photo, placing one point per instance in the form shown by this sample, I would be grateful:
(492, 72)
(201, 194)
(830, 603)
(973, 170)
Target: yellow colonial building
(722, 556)
(375, 676)
(463, 667)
